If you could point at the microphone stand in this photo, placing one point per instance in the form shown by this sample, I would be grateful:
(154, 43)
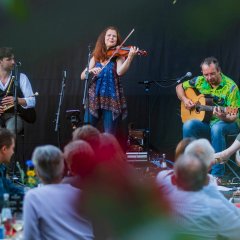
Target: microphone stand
(16, 85)
(57, 125)
(85, 101)
(147, 85)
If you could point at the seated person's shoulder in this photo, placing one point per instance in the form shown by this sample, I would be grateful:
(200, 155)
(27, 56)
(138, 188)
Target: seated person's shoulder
(164, 177)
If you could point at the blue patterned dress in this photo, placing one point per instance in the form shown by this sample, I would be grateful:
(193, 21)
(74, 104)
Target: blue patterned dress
(106, 92)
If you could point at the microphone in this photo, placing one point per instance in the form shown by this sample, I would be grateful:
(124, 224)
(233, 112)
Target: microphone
(188, 74)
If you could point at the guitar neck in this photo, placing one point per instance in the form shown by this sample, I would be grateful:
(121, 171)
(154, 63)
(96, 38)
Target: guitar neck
(207, 108)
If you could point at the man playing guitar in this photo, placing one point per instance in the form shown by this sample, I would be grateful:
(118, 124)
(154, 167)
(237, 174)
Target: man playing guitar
(25, 96)
(224, 93)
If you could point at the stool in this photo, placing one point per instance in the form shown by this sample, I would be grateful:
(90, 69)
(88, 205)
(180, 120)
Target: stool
(230, 139)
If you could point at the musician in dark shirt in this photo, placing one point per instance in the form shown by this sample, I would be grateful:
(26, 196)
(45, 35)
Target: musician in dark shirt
(25, 97)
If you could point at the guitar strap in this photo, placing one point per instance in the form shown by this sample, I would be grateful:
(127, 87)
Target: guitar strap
(218, 101)
(208, 95)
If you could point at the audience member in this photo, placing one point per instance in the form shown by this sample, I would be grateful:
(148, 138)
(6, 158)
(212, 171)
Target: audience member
(87, 133)
(190, 172)
(110, 149)
(7, 144)
(182, 145)
(203, 150)
(80, 160)
(120, 202)
(199, 147)
(200, 215)
(53, 210)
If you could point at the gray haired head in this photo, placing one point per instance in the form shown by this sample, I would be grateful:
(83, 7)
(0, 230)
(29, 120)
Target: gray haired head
(202, 149)
(49, 163)
(211, 60)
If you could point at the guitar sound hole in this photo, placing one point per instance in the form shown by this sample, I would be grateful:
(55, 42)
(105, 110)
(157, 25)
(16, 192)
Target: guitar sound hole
(197, 109)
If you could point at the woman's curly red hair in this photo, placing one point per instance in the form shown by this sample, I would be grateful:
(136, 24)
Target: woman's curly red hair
(100, 50)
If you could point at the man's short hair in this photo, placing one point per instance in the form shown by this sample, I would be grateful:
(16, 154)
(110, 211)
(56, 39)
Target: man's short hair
(190, 172)
(87, 133)
(80, 158)
(49, 162)
(6, 52)
(181, 146)
(209, 60)
(6, 137)
(202, 149)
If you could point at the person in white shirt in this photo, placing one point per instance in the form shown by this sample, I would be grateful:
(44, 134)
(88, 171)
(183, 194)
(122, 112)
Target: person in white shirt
(199, 147)
(25, 98)
(53, 211)
(200, 213)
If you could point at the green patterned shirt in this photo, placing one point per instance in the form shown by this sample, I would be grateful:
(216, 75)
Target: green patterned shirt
(226, 94)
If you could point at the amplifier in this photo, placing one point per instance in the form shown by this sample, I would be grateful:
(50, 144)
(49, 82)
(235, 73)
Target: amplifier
(137, 156)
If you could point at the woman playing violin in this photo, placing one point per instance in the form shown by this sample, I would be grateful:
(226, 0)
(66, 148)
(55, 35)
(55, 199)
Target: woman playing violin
(105, 96)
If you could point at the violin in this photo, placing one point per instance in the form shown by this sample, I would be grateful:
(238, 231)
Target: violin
(123, 52)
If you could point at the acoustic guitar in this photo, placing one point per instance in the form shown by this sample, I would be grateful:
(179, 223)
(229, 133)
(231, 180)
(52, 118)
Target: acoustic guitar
(203, 107)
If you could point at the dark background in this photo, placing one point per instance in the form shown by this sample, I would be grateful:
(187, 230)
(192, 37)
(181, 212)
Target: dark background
(50, 36)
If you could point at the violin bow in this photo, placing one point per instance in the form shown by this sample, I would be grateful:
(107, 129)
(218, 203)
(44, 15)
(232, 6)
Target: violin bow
(117, 49)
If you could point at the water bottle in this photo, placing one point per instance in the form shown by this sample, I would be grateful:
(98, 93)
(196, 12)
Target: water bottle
(2, 231)
(163, 163)
(6, 215)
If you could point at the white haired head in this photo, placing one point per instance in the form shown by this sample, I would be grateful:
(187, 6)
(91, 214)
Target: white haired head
(49, 163)
(202, 149)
